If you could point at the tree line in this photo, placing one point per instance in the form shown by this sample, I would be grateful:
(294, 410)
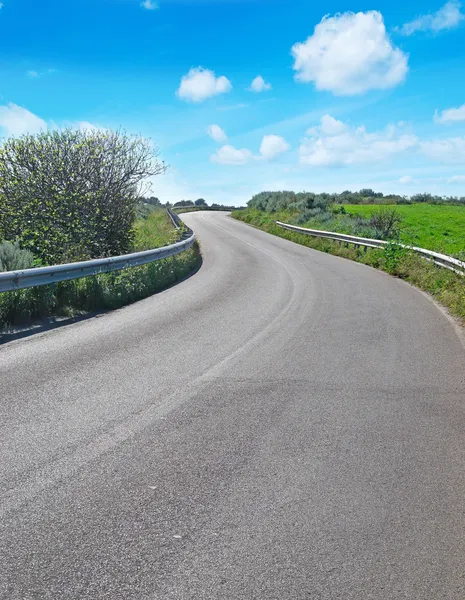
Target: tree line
(301, 201)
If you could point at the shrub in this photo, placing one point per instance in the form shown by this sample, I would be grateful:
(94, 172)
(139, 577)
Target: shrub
(183, 203)
(392, 256)
(70, 195)
(421, 198)
(339, 210)
(277, 201)
(311, 213)
(386, 222)
(143, 210)
(13, 258)
(359, 225)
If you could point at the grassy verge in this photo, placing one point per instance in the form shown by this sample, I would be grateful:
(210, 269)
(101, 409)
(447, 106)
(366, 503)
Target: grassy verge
(444, 285)
(107, 290)
(155, 231)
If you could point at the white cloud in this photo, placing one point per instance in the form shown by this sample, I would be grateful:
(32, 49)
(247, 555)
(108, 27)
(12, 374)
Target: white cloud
(272, 146)
(259, 85)
(350, 53)
(456, 179)
(216, 133)
(173, 186)
(32, 74)
(228, 155)
(406, 179)
(450, 115)
(16, 120)
(86, 126)
(451, 150)
(352, 145)
(331, 126)
(149, 5)
(200, 84)
(446, 17)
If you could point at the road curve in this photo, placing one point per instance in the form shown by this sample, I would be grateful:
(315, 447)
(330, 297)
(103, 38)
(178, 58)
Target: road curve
(285, 424)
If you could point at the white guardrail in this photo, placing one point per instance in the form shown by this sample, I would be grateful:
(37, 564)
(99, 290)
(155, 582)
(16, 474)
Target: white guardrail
(18, 280)
(441, 260)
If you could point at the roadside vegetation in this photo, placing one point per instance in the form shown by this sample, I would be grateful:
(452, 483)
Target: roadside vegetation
(146, 205)
(431, 222)
(103, 291)
(186, 206)
(439, 227)
(69, 195)
(154, 231)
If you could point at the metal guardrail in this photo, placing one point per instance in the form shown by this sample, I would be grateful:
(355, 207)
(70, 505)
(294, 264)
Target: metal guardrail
(18, 280)
(177, 223)
(441, 260)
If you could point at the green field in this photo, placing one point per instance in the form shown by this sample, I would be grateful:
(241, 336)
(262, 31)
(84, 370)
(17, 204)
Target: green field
(434, 227)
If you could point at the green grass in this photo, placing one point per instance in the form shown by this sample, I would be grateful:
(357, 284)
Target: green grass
(155, 231)
(107, 290)
(434, 227)
(444, 285)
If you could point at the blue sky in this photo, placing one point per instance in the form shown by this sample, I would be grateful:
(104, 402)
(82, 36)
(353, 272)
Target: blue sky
(246, 95)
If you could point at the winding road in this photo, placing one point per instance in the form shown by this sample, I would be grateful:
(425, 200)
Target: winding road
(284, 424)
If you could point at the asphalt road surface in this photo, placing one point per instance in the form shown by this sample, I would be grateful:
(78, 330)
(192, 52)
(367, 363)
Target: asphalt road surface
(284, 424)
